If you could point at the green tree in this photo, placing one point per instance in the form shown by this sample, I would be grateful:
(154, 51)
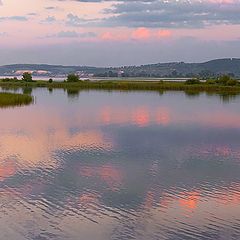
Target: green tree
(232, 82)
(27, 77)
(72, 78)
(224, 79)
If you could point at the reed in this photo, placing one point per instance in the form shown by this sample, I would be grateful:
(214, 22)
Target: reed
(12, 99)
(126, 86)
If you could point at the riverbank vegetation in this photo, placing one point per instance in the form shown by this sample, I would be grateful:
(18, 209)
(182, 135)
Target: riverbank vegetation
(13, 99)
(221, 84)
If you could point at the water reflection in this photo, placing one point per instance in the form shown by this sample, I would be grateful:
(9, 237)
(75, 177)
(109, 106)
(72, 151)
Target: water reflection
(73, 93)
(7, 168)
(50, 90)
(120, 166)
(27, 90)
(140, 116)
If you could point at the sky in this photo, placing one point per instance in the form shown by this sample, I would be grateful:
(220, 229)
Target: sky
(117, 33)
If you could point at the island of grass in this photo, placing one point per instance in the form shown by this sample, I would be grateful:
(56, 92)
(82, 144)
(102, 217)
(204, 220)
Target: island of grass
(13, 99)
(222, 84)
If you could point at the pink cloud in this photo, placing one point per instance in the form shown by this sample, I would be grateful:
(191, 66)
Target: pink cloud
(114, 36)
(146, 34)
(107, 36)
(141, 34)
(164, 33)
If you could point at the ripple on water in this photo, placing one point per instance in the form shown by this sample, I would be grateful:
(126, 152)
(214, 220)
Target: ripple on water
(70, 174)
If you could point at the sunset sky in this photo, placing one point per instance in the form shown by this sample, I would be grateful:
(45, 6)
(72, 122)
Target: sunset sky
(122, 32)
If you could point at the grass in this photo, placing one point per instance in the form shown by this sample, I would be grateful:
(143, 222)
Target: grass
(126, 86)
(12, 99)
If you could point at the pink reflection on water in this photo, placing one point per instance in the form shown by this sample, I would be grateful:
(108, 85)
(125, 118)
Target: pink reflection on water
(108, 173)
(88, 200)
(216, 150)
(106, 115)
(149, 200)
(140, 116)
(189, 200)
(163, 116)
(7, 169)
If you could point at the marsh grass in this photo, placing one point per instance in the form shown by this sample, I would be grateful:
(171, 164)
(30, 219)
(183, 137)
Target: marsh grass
(127, 86)
(13, 99)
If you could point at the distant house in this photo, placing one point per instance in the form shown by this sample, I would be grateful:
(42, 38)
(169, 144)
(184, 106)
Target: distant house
(120, 73)
(20, 72)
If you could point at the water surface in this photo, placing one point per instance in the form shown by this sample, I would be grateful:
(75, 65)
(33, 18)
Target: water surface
(120, 165)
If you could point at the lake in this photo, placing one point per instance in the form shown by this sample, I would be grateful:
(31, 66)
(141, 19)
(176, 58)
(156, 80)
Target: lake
(120, 165)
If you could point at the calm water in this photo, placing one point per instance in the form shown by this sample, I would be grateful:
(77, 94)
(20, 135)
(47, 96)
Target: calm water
(115, 165)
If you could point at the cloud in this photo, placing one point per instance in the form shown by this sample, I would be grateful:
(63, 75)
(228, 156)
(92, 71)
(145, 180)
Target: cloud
(110, 36)
(72, 34)
(164, 14)
(141, 34)
(32, 14)
(3, 34)
(67, 34)
(75, 21)
(14, 18)
(107, 36)
(49, 19)
(53, 8)
(50, 8)
(138, 34)
(173, 14)
(163, 33)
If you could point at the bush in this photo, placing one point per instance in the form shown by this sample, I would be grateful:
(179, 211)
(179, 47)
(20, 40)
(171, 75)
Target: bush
(192, 81)
(27, 77)
(50, 80)
(10, 79)
(72, 78)
(211, 81)
(231, 82)
(224, 79)
(7, 79)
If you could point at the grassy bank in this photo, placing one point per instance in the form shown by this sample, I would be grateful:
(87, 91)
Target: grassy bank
(126, 86)
(12, 99)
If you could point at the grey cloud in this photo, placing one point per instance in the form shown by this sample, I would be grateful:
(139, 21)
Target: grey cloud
(172, 14)
(32, 14)
(73, 20)
(67, 34)
(14, 18)
(161, 13)
(50, 8)
(90, 0)
(53, 8)
(3, 34)
(49, 19)
(72, 34)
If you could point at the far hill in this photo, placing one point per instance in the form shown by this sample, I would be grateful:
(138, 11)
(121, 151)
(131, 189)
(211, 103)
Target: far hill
(216, 67)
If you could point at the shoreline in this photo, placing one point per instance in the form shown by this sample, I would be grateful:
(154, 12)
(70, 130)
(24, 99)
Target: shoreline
(136, 85)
